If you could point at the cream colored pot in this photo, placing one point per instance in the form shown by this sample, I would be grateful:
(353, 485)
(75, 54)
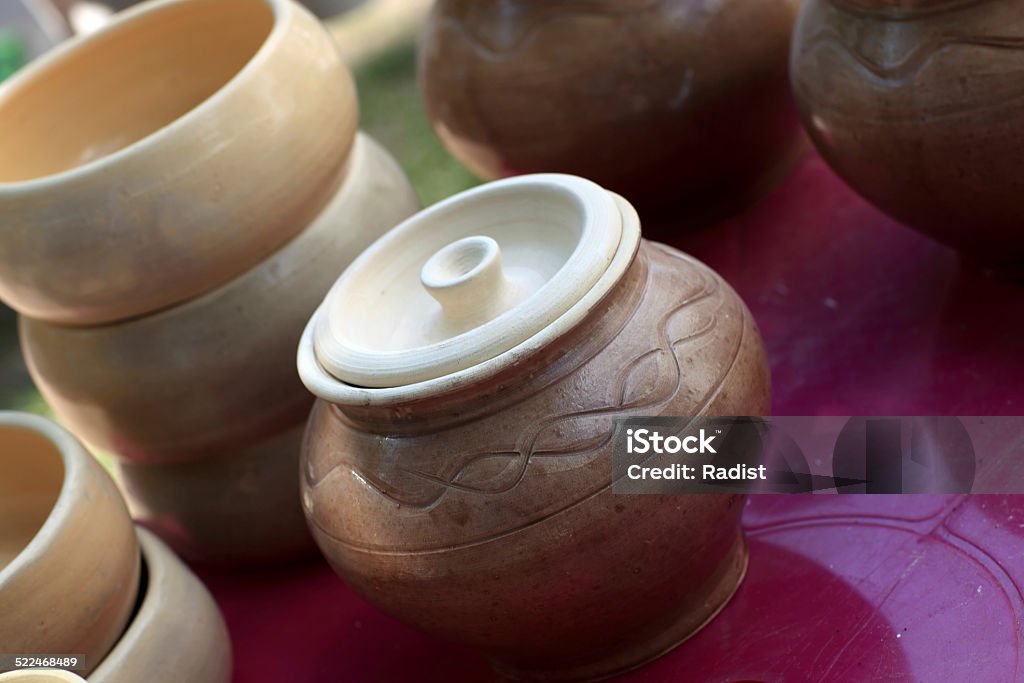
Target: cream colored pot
(152, 161)
(217, 372)
(177, 633)
(236, 507)
(457, 468)
(69, 559)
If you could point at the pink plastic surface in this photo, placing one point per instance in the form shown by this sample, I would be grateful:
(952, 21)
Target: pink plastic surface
(861, 316)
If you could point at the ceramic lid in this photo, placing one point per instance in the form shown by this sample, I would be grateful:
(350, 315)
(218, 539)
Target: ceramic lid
(469, 280)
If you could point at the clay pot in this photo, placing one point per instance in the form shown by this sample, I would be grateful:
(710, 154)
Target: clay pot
(69, 559)
(216, 373)
(177, 632)
(242, 507)
(166, 154)
(668, 102)
(41, 676)
(916, 105)
(456, 469)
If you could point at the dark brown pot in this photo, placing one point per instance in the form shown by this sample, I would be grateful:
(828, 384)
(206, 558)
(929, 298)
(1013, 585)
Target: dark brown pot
(920, 106)
(667, 102)
(485, 514)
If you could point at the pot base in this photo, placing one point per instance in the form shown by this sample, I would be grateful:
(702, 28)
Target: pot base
(719, 590)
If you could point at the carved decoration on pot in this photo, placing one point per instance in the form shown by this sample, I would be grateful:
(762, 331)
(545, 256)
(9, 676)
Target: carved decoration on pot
(918, 105)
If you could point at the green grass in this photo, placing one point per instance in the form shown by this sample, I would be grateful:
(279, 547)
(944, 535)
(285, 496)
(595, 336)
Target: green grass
(392, 113)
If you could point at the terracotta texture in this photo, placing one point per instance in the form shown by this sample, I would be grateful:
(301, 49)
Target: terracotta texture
(236, 507)
(69, 559)
(667, 102)
(218, 372)
(918, 106)
(484, 514)
(177, 632)
(206, 134)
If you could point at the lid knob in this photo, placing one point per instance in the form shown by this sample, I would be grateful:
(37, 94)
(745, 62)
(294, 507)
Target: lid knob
(467, 279)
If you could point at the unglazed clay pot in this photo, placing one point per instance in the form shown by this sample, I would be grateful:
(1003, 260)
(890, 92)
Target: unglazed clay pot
(918, 105)
(668, 102)
(69, 559)
(177, 632)
(237, 507)
(218, 372)
(457, 468)
(166, 154)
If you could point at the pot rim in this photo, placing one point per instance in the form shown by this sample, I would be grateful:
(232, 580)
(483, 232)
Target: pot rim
(71, 454)
(326, 386)
(282, 11)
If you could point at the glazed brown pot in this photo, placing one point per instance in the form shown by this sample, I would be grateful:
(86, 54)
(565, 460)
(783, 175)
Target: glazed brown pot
(667, 102)
(477, 504)
(917, 105)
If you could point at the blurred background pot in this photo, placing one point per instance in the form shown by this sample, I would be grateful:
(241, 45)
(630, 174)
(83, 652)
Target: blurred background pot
(242, 506)
(668, 102)
(69, 559)
(217, 372)
(196, 152)
(918, 105)
(177, 632)
(468, 492)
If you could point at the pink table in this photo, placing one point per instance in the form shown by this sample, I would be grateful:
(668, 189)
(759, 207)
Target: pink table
(860, 316)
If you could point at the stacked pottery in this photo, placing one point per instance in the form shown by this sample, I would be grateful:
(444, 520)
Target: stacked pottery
(166, 246)
(73, 582)
(679, 105)
(918, 105)
(457, 466)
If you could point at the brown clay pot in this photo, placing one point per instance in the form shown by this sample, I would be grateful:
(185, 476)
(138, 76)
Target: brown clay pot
(917, 104)
(69, 558)
(475, 501)
(177, 632)
(667, 102)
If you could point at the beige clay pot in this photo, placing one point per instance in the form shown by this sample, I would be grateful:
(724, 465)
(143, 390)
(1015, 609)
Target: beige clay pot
(177, 632)
(238, 507)
(457, 469)
(152, 161)
(69, 559)
(216, 373)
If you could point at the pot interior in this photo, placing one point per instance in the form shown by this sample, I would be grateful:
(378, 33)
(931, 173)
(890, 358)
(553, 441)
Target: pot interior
(125, 83)
(31, 476)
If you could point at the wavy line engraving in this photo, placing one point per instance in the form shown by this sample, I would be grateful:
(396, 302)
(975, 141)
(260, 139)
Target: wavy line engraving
(910, 67)
(529, 446)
